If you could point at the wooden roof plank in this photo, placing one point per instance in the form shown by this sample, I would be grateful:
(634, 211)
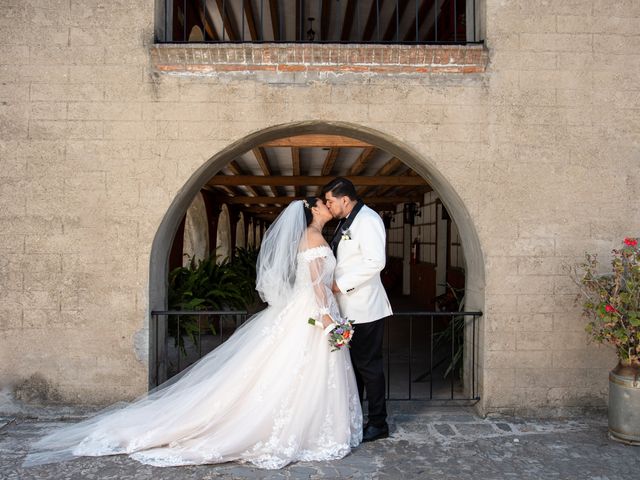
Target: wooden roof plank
(235, 168)
(246, 200)
(228, 21)
(275, 19)
(325, 19)
(387, 169)
(330, 160)
(295, 164)
(251, 19)
(263, 160)
(362, 160)
(347, 23)
(316, 140)
(308, 180)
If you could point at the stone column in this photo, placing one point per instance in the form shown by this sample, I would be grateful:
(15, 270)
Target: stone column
(214, 208)
(177, 247)
(234, 217)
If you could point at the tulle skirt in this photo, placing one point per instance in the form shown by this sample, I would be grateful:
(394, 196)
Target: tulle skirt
(272, 394)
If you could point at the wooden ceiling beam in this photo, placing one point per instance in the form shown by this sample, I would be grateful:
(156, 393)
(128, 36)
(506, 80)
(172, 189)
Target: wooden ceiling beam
(325, 16)
(328, 164)
(422, 15)
(228, 21)
(362, 161)
(205, 18)
(316, 140)
(387, 169)
(387, 200)
(237, 170)
(384, 190)
(295, 163)
(299, 14)
(251, 19)
(267, 209)
(330, 161)
(275, 19)
(225, 189)
(372, 20)
(394, 20)
(347, 23)
(308, 180)
(263, 160)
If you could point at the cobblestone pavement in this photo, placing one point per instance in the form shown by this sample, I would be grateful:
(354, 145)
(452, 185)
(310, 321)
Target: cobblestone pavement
(426, 442)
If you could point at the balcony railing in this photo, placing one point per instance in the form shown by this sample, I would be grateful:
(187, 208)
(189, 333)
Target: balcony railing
(429, 356)
(317, 21)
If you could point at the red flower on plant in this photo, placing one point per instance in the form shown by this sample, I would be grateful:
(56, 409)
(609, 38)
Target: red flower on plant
(632, 242)
(610, 309)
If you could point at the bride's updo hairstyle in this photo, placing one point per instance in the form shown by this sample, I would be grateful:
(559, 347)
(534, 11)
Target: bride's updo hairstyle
(309, 203)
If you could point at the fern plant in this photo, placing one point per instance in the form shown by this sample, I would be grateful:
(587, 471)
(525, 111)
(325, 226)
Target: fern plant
(210, 285)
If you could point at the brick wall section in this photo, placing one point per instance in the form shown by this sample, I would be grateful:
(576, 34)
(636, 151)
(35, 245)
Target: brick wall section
(375, 59)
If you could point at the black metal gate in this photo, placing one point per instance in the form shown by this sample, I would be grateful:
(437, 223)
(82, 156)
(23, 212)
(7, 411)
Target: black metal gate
(428, 356)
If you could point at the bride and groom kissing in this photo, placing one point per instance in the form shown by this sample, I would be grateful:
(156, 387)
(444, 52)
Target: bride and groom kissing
(274, 392)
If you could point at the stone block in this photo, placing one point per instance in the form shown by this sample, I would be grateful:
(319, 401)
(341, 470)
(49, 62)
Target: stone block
(500, 340)
(129, 130)
(621, 9)
(521, 358)
(14, 92)
(556, 42)
(17, 34)
(14, 122)
(105, 74)
(104, 111)
(66, 55)
(48, 92)
(533, 340)
(119, 43)
(14, 55)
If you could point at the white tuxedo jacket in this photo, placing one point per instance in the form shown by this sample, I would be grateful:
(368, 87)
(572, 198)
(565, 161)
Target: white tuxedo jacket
(360, 260)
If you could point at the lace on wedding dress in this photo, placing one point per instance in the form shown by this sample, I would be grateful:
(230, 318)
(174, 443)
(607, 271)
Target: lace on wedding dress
(272, 394)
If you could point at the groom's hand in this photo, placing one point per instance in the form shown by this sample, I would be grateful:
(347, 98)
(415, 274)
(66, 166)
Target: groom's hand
(334, 288)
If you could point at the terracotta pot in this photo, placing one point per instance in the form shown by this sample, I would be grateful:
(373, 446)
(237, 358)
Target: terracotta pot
(624, 403)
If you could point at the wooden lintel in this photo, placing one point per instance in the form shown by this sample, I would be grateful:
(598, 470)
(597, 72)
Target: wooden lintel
(306, 180)
(316, 140)
(286, 200)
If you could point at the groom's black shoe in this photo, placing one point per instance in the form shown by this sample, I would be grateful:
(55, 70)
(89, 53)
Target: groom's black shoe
(372, 432)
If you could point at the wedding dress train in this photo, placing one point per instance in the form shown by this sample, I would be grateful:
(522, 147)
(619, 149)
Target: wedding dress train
(272, 394)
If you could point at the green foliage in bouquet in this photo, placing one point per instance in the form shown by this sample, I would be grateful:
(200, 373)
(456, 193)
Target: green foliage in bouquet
(612, 300)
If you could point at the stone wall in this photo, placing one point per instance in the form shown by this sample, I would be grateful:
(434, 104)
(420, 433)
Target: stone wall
(542, 148)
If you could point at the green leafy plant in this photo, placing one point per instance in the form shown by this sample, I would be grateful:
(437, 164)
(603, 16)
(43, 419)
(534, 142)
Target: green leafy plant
(612, 300)
(210, 285)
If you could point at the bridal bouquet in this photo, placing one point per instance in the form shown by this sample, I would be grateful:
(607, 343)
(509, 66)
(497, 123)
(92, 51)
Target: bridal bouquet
(340, 333)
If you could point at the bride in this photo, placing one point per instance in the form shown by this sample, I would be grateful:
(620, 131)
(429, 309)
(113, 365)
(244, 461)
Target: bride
(272, 394)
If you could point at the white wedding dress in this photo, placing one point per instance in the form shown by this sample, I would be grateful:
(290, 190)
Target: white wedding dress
(272, 394)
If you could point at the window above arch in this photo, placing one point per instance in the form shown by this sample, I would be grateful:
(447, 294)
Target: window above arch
(318, 21)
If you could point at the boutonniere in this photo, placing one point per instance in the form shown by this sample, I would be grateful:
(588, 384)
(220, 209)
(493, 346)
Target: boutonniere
(346, 235)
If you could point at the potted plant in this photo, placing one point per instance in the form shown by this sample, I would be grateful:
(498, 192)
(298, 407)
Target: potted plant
(612, 304)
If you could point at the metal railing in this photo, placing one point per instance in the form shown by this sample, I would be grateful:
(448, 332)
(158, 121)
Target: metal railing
(429, 356)
(317, 21)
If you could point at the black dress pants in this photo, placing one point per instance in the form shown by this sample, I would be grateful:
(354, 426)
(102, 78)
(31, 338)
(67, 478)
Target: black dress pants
(366, 357)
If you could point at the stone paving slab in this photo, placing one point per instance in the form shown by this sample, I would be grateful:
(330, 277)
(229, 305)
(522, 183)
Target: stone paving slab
(428, 442)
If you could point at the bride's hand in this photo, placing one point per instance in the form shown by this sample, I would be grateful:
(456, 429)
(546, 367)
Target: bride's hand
(326, 321)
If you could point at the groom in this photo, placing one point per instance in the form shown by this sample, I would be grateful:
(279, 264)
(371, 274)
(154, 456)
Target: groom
(359, 246)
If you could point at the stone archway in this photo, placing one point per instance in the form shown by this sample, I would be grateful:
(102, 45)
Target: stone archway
(474, 261)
